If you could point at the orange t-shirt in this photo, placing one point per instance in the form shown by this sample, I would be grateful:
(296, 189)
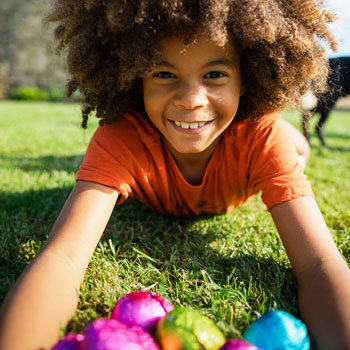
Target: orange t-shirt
(131, 157)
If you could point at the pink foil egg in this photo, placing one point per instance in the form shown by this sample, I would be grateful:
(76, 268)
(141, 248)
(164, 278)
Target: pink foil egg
(238, 344)
(108, 334)
(142, 309)
(70, 342)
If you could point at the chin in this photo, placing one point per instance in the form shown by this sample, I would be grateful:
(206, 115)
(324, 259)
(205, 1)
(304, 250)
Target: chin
(190, 150)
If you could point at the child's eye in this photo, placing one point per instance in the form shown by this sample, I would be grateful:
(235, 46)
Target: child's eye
(164, 75)
(215, 75)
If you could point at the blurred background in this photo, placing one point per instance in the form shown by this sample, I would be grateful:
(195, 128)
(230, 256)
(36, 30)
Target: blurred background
(27, 58)
(341, 28)
(30, 69)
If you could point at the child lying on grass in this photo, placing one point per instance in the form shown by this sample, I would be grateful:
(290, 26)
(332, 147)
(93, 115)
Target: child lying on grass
(187, 94)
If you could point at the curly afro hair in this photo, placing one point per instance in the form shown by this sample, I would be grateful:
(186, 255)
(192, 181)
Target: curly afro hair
(110, 44)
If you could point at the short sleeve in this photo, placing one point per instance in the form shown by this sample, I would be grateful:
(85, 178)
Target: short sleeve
(273, 167)
(107, 162)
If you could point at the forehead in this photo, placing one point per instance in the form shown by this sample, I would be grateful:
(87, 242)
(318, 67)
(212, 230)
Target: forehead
(200, 47)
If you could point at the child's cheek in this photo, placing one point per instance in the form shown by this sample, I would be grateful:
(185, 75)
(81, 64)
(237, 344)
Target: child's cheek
(156, 96)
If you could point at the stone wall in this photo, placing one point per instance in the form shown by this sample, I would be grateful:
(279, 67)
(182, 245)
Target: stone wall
(26, 46)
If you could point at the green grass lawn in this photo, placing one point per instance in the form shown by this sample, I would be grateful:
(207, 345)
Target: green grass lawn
(232, 267)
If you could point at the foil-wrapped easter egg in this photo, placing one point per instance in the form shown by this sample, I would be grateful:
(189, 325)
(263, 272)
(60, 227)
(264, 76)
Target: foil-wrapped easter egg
(238, 344)
(107, 334)
(70, 342)
(278, 330)
(187, 329)
(142, 309)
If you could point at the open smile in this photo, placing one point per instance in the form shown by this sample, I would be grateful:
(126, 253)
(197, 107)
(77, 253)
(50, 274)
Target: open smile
(193, 127)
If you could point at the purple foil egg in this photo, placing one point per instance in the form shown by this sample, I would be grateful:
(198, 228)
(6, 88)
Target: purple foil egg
(238, 344)
(108, 334)
(70, 342)
(142, 309)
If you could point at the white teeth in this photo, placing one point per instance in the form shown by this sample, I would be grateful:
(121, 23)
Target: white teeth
(194, 125)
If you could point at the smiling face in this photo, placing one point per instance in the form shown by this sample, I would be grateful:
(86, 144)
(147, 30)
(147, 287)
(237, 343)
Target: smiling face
(192, 95)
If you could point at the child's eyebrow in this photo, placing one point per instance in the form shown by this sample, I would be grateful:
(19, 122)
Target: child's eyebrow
(218, 62)
(165, 64)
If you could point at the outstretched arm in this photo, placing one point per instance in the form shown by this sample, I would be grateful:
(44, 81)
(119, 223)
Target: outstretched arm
(46, 295)
(323, 276)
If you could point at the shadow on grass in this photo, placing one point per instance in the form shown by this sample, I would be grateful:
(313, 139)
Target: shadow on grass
(180, 243)
(48, 163)
(322, 149)
(335, 135)
(25, 221)
(318, 146)
(338, 149)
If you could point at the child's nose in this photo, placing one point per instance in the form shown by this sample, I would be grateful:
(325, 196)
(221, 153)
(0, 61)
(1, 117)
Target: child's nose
(190, 96)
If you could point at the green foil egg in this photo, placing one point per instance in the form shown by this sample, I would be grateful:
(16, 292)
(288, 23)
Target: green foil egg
(187, 329)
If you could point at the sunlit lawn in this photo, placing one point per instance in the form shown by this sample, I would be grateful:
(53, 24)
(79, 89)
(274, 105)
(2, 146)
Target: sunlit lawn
(221, 265)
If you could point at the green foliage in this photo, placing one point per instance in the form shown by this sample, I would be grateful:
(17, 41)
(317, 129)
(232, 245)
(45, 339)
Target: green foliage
(56, 93)
(34, 93)
(231, 267)
(28, 93)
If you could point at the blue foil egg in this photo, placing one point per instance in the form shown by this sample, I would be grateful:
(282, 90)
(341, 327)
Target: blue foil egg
(278, 330)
